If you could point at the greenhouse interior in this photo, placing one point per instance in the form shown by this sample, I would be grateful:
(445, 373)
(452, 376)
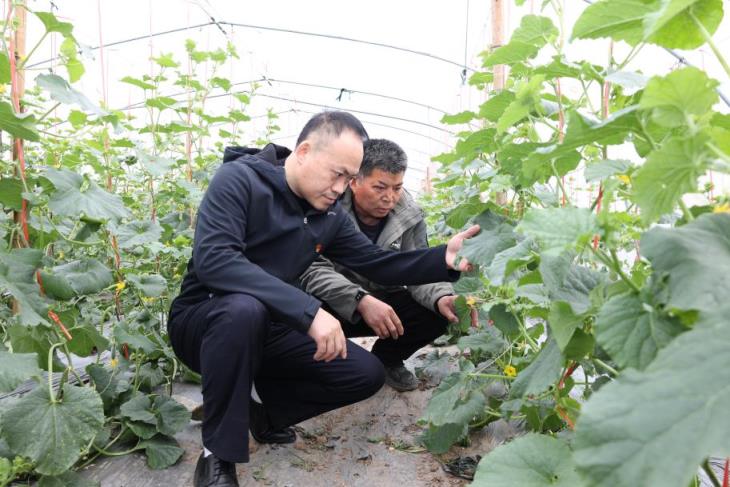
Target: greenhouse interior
(477, 242)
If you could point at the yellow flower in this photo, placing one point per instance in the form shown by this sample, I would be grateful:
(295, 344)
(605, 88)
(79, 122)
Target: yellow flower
(723, 208)
(147, 299)
(471, 301)
(510, 371)
(2, 88)
(61, 255)
(114, 362)
(121, 285)
(624, 178)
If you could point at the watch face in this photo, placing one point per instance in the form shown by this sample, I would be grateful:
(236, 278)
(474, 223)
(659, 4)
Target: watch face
(360, 295)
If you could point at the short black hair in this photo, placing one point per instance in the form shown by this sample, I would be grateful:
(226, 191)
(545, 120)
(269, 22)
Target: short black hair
(332, 124)
(384, 155)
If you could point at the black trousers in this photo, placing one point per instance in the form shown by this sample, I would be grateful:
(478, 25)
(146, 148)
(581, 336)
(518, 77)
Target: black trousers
(231, 341)
(421, 326)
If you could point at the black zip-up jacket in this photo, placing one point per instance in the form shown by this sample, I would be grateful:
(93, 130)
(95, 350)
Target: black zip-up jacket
(254, 236)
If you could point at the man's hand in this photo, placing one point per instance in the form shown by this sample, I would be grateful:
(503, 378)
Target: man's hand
(454, 246)
(447, 308)
(380, 317)
(327, 334)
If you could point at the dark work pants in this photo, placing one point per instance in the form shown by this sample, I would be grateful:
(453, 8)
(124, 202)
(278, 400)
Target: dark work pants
(231, 341)
(421, 326)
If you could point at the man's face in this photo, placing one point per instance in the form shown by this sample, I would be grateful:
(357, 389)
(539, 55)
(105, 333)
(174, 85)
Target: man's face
(327, 165)
(375, 195)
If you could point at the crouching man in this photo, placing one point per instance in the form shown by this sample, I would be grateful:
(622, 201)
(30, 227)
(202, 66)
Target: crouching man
(404, 318)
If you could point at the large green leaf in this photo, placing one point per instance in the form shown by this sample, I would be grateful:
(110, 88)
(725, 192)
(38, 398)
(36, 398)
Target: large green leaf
(632, 331)
(109, 383)
(151, 285)
(543, 372)
(52, 24)
(618, 19)
(87, 341)
(76, 195)
(563, 323)
(526, 100)
(495, 236)
(77, 278)
(654, 427)
(668, 173)
(4, 68)
(559, 229)
(530, 461)
(139, 408)
(573, 285)
(52, 434)
(172, 416)
(601, 170)
(62, 92)
(672, 25)
(35, 340)
(504, 320)
(679, 94)
(15, 368)
(162, 451)
(138, 232)
(508, 260)
(486, 341)
(17, 275)
(11, 191)
(696, 260)
(438, 439)
(21, 126)
(532, 34)
(458, 399)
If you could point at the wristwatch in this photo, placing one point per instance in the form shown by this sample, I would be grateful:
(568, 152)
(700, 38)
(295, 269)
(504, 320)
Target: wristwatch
(360, 294)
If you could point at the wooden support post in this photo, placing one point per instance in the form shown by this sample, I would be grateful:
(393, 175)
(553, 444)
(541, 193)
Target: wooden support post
(498, 71)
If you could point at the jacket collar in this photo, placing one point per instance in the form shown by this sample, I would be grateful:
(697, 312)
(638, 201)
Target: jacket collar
(403, 216)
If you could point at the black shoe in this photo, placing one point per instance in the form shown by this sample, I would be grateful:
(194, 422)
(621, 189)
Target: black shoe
(258, 425)
(400, 378)
(197, 413)
(211, 471)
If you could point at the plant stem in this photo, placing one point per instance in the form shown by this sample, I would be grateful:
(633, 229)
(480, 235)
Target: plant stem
(490, 376)
(621, 272)
(37, 45)
(560, 183)
(710, 473)
(708, 39)
(605, 366)
(50, 371)
(48, 112)
(685, 211)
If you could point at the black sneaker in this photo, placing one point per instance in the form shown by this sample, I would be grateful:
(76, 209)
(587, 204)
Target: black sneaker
(258, 425)
(211, 471)
(400, 378)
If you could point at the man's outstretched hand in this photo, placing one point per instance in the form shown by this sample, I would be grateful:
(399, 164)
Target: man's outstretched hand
(326, 332)
(454, 246)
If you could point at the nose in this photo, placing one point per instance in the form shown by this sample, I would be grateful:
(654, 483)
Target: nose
(339, 186)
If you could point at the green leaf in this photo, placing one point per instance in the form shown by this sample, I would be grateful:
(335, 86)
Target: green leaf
(456, 400)
(17, 275)
(78, 196)
(172, 417)
(458, 118)
(139, 408)
(52, 24)
(162, 451)
(221, 83)
(151, 285)
(438, 439)
(166, 61)
(20, 126)
(532, 460)
(598, 171)
(139, 232)
(495, 106)
(632, 332)
(486, 341)
(87, 341)
(495, 236)
(36, 340)
(509, 260)
(161, 102)
(654, 427)
(76, 278)
(138, 83)
(16, 368)
(681, 93)
(62, 92)
(526, 100)
(621, 20)
(4, 69)
(543, 372)
(532, 34)
(504, 320)
(134, 339)
(108, 383)
(668, 173)
(572, 284)
(11, 191)
(630, 81)
(563, 323)
(696, 260)
(672, 26)
(69, 54)
(559, 229)
(52, 434)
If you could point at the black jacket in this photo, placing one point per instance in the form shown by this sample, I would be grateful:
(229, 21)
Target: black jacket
(254, 236)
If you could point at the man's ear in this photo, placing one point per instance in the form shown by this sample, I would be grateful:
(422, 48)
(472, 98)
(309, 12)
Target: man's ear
(355, 181)
(303, 150)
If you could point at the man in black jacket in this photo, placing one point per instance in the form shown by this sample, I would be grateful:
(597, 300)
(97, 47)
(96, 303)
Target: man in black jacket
(241, 321)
